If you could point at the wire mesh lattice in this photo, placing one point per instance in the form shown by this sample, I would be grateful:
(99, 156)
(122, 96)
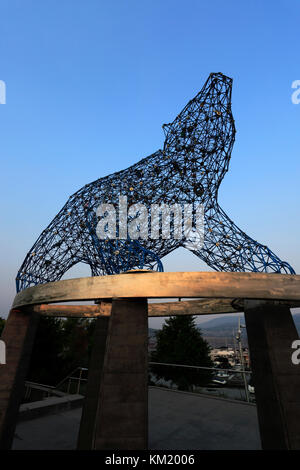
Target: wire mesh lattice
(188, 170)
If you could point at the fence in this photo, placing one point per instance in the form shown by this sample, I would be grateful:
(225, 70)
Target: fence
(222, 382)
(74, 382)
(226, 383)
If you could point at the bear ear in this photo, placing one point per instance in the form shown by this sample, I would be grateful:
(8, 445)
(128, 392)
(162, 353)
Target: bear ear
(166, 128)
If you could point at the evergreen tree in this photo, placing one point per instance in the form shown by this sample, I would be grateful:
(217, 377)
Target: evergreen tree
(47, 365)
(181, 342)
(76, 342)
(61, 345)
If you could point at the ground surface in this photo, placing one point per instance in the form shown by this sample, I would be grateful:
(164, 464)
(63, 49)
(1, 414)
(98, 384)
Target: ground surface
(176, 421)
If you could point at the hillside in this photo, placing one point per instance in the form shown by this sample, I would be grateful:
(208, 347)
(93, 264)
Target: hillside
(220, 331)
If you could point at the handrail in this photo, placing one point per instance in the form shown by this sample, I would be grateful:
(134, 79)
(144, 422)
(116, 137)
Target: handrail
(232, 371)
(69, 378)
(66, 378)
(37, 385)
(202, 367)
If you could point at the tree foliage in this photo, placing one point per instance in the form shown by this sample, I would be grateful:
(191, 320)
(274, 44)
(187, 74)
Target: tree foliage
(181, 342)
(46, 363)
(61, 345)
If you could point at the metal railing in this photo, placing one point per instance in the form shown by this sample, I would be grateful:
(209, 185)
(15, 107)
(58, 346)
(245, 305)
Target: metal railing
(220, 382)
(71, 378)
(39, 390)
(242, 372)
(35, 391)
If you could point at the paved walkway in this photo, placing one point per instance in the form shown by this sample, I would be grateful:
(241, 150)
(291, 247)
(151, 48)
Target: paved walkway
(180, 420)
(177, 420)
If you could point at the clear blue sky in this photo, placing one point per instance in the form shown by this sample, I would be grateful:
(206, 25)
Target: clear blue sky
(89, 85)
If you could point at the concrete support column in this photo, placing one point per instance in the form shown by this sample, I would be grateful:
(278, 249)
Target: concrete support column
(271, 332)
(116, 410)
(88, 419)
(122, 415)
(18, 335)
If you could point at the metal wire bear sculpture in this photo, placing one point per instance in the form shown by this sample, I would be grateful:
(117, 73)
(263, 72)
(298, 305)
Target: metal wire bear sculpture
(188, 170)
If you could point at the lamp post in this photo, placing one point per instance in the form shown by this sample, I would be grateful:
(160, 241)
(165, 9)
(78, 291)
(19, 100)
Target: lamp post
(239, 340)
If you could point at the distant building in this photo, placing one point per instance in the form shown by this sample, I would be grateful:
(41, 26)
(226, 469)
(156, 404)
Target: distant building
(233, 355)
(227, 353)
